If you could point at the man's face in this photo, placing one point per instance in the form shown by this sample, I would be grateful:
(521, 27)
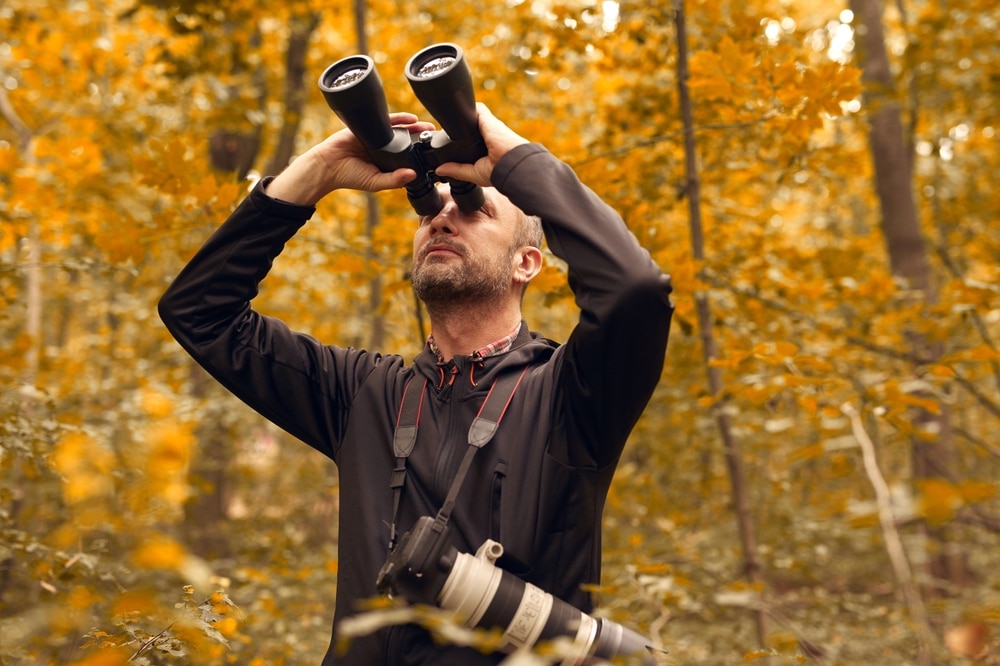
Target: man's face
(461, 257)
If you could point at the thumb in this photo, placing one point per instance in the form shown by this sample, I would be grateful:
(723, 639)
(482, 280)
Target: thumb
(391, 180)
(458, 170)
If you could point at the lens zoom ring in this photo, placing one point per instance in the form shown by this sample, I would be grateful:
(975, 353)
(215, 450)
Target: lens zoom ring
(505, 602)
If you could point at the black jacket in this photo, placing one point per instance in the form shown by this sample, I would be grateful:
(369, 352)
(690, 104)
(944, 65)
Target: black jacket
(539, 486)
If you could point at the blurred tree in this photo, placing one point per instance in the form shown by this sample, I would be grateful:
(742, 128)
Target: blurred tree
(933, 451)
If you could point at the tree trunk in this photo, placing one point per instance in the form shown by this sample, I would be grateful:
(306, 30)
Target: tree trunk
(932, 445)
(205, 512)
(731, 450)
(235, 149)
(296, 89)
(377, 339)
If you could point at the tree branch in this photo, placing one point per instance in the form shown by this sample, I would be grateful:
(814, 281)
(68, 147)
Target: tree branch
(893, 542)
(969, 437)
(653, 140)
(9, 114)
(713, 280)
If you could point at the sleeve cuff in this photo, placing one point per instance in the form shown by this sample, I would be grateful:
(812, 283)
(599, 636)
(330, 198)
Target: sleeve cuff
(276, 207)
(509, 162)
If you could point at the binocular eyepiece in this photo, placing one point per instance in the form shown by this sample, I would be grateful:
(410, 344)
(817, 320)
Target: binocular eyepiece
(441, 80)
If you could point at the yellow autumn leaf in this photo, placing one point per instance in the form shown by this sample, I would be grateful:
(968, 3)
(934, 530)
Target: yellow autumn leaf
(977, 491)
(813, 363)
(786, 349)
(134, 601)
(706, 401)
(227, 626)
(85, 466)
(81, 597)
(940, 370)
(736, 64)
(810, 452)
(350, 263)
(156, 404)
(707, 80)
(550, 280)
(105, 657)
(978, 353)
(159, 552)
(754, 655)
(938, 500)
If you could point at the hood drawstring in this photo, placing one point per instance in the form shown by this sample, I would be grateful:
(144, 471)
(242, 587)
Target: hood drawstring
(442, 375)
(477, 362)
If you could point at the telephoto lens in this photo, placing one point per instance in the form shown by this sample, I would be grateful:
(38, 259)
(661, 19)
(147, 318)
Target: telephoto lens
(484, 595)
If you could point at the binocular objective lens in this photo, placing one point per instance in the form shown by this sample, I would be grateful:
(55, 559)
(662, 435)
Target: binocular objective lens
(432, 67)
(347, 78)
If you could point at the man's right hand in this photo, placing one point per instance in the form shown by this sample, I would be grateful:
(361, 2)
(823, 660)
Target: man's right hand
(338, 162)
(499, 140)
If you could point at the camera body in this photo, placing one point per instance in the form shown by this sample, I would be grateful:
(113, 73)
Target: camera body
(419, 566)
(441, 80)
(426, 568)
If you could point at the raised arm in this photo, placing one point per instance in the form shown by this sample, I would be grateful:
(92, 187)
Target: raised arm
(613, 360)
(290, 378)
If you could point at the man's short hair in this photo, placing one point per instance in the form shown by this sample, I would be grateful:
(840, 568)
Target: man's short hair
(529, 230)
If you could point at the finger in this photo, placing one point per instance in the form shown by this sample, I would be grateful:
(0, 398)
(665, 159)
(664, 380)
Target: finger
(392, 180)
(402, 118)
(417, 127)
(458, 171)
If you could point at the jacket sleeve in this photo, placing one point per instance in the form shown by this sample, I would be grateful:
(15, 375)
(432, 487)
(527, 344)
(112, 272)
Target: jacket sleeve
(289, 378)
(614, 357)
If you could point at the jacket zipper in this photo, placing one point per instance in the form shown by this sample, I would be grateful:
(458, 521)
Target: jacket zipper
(451, 440)
(496, 498)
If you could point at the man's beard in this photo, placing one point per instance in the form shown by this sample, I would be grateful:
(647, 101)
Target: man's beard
(461, 280)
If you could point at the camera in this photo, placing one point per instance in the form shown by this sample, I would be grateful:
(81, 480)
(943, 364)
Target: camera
(426, 568)
(439, 76)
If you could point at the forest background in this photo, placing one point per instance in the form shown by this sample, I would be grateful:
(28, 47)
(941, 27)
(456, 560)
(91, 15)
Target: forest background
(815, 478)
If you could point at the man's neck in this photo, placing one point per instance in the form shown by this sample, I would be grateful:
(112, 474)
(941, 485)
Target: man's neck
(460, 331)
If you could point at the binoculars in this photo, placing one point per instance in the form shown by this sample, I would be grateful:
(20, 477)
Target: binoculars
(441, 80)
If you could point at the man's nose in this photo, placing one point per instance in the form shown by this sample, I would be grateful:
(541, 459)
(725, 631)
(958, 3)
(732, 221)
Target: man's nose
(444, 221)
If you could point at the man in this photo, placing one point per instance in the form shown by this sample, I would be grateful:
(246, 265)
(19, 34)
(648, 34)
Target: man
(539, 486)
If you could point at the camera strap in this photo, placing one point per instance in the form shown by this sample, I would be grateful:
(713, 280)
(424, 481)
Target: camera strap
(483, 427)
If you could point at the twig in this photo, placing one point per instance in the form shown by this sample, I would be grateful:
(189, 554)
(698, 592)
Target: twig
(893, 542)
(9, 114)
(144, 646)
(653, 140)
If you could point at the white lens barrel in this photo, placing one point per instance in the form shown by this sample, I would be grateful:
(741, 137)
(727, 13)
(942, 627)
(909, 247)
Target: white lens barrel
(470, 588)
(529, 619)
(482, 594)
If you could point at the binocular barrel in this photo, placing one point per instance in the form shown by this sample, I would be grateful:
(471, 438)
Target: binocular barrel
(441, 80)
(353, 90)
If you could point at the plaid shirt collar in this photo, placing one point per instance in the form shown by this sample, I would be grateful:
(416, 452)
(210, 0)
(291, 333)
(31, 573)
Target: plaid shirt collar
(500, 346)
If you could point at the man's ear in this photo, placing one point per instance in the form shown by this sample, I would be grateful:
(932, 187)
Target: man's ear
(528, 262)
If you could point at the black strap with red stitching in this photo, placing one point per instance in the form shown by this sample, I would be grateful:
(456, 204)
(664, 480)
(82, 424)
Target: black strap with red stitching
(483, 427)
